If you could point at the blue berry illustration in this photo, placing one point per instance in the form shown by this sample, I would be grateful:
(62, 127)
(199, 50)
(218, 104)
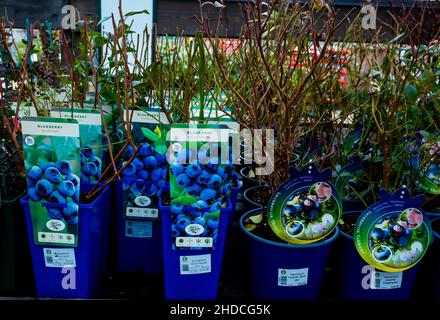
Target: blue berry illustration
(64, 167)
(53, 175)
(177, 208)
(84, 178)
(313, 214)
(55, 213)
(67, 188)
(177, 169)
(160, 184)
(200, 221)
(215, 181)
(200, 204)
(150, 189)
(70, 212)
(88, 151)
(164, 173)
(179, 217)
(138, 164)
(57, 197)
(129, 170)
(161, 159)
(129, 151)
(220, 172)
(156, 174)
(377, 233)
(182, 224)
(48, 165)
(216, 205)
(203, 178)
(97, 162)
(30, 183)
(194, 190)
(128, 180)
(143, 174)
(73, 178)
(193, 170)
(212, 164)
(174, 231)
(150, 162)
(213, 223)
(44, 188)
(195, 214)
(35, 173)
(33, 195)
(89, 169)
(183, 180)
(146, 150)
(208, 194)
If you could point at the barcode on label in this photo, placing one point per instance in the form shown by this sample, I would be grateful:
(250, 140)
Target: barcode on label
(49, 259)
(377, 282)
(283, 280)
(185, 267)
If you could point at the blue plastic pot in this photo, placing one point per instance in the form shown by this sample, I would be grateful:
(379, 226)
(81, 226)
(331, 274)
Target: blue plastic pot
(269, 260)
(202, 286)
(353, 272)
(88, 254)
(137, 254)
(435, 254)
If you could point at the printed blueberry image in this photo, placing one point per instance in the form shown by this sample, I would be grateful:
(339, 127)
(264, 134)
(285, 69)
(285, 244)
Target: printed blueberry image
(150, 162)
(143, 174)
(215, 181)
(70, 213)
(33, 195)
(96, 161)
(48, 165)
(182, 224)
(213, 223)
(156, 174)
(193, 170)
(53, 175)
(382, 253)
(64, 167)
(201, 221)
(204, 177)
(194, 190)
(88, 151)
(177, 169)
(67, 188)
(208, 194)
(89, 169)
(177, 208)
(44, 188)
(57, 198)
(55, 213)
(72, 178)
(35, 173)
(129, 151)
(200, 205)
(146, 150)
(138, 164)
(84, 178)
(183, 180)
(161, 159)
(294, 229)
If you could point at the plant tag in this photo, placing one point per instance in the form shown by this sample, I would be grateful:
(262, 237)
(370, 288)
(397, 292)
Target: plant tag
(306, 208)
(138, 229)
(59, 258)
(195, 264)
(293, 277)
(386, 280)
(200, 182)
(90, 133)
(52, 162)
(393, 234)
(145, 177)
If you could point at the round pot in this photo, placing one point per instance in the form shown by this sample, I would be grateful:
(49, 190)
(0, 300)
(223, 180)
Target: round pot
(248, 202)
(248, 182)
(435, 256)
(355, 276)
(281, 271)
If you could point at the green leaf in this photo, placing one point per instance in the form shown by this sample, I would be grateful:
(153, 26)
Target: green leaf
(187, 199)
(133, 13)
(411, 93)
(150, 135)
(161, 149)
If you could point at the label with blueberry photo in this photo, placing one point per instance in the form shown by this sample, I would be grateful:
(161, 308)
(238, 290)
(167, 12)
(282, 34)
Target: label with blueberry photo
(200, 182)
(306, 208)
(146, 168)
(393, 234)
(90, 132)
(52, 160)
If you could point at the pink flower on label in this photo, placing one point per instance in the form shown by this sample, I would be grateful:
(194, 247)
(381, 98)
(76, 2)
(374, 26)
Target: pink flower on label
(308, 203)
(397, 228)
(414, 217)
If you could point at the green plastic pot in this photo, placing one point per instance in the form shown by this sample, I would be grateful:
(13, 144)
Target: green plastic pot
(16, 277)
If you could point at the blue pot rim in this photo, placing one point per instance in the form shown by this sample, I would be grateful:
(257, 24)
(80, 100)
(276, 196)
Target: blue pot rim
(87, 206)
(280, 244)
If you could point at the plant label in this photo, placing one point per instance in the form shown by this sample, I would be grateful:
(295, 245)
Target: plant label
(52, 162)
